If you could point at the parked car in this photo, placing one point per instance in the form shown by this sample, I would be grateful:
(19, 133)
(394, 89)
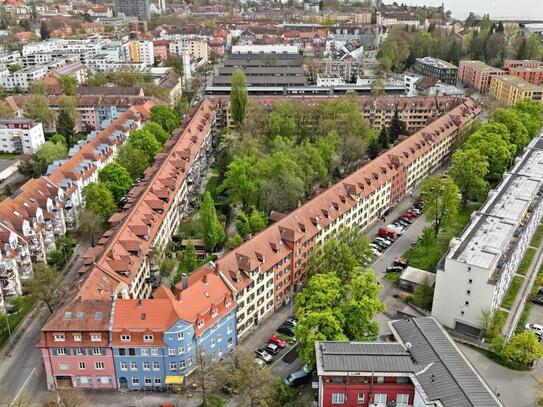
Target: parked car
(380, 240)
(394, 269)
(272, 349)
(277, 341)
(286, 329)
(376, 247)
(416, 211)
(401, 222)
(535, 328)
(537, 300)
(259, 363)
(376, 252)
(380, 245)
(410, 215)
(265, 356)
(406, 219)
(297, 378)
(400, 261)
(387, 232)
(397, 228)
(384, 240)
(291, 321)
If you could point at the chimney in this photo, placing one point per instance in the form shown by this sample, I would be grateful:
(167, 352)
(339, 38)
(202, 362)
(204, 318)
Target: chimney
(204, 279)
(184, 281)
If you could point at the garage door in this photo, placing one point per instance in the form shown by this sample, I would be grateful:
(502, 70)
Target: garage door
(64, 381)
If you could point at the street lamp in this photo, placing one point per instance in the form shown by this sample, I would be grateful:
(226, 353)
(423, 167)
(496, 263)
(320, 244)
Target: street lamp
(9, 329)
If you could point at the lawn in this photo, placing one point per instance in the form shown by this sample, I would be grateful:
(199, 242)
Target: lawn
(526, 261)
(528, 305)
(9, 156)
(14, 319)
(428, 251)
(393, 278)
(500, 317)
(538, 236)
(512, 292)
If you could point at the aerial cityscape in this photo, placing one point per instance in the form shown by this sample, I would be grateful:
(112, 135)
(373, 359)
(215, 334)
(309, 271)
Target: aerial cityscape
(308, 203)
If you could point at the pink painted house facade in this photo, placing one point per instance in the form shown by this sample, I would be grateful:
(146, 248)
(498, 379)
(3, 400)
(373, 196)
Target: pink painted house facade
(75, 346)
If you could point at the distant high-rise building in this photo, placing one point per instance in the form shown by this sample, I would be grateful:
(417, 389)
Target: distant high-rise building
(133, 8)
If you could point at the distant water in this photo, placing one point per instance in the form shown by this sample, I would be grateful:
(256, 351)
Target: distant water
(506, 9)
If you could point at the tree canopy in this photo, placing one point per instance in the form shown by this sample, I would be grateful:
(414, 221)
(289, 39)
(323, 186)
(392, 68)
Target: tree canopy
(211, 229)
(146, 142)
(134, 160)
(38, 108)
(166, 117)
(238, 96)
(469, 169)
(99, 199)
(440, 196)
(50, 152)
(117, 179)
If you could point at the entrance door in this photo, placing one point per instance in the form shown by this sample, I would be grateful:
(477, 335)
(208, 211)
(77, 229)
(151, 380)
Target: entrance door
(123, 383)
(64, 381)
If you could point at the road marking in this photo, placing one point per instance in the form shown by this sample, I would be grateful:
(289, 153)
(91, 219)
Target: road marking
(281, 358)
(23, 386)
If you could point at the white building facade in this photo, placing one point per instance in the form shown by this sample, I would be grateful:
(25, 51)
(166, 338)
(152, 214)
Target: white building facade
(20, 136)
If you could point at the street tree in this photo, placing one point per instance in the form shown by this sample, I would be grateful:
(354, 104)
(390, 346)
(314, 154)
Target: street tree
(322, 292)
(523, 349)
(238, 96)
(37, 88)
(45, 286)
(166, 117)
(360, 307)
(358, 244)
(134, 160)
(50, 152)
(441, 200)
(530, 115)
(242, 224)
(117, 179)
(38, 108)
(99, 199)
(333, 257)
(204, 374)
(144, 141)
(469, 170)
(91, 226)
(211, 229)
(156, 130)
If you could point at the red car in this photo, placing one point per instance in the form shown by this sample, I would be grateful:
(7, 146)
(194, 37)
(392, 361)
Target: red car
(410, 215)
(277, 341)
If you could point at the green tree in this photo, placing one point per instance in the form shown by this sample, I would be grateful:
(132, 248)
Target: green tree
(358, 244)
(469, 170)
(38, 108)
(384, 138)
(397, 128)
(117, 179)
(32, 166)
(134, 160)
(99, 199)
(211, 229)
(523, 349)
(491, 140)
(530, 114)
(534, 48)
(156, 130)
(361, 306)
(44, 30)
(378, 87)
(241, 182)
(91, 226)
(510, 118)
(333, 257)
(238, 96)
(37, 88)
(68, 83)
(145, 142)
(323, 291)
(189, 261)
(65, 126)
(423, 295)
(15, 68)
(50, 152)
(233, 241)
(44, 286)
(242, 224)
(374, 148)
(257, 221)
(441, 200)
(166, 117)
(58, 139)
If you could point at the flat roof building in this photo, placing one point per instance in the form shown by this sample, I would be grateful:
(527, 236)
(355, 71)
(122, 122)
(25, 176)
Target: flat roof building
(479, 267)
(532, 75)
(436, 68)
(477, 74)
(509, 90)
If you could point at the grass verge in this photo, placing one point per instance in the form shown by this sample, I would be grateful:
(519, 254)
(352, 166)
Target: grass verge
(523, 320)
(512, 292)
(393, 278)
(526, 261)
(538, 237)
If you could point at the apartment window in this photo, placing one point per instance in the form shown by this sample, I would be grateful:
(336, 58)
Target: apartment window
(361, 399)
(154, 352)
(190, 361)
(96, 337)
(133, 366)
(144, 351)
(82, 365)
(78, 351)
(124, 366)
(229, 328)
(219, 338)
(135, 381)
(181, 365)
(77, 337)
(339, 398)
(173, 366)
(146, 366)
(380, 379)
(61, 351)
(402, 399)
(158, 381)
(181, 350)
(214, 313)
(181, 336)
(99, 366)
(58, 337)
(125, 338)
(96, 351)
(147, 381)
(171, 351)
(230, 342)
(380, 398)
(63, 366)
(156, 366)
(148, 338)
(470, 281)
(468, 292)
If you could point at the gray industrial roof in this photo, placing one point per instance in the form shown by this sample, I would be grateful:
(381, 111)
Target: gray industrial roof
(262, 80)
(264, 70)
(448, 376)
(424, 352)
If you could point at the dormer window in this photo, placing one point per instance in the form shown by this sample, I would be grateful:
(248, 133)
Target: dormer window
(200, 323)
(214, 313)
(96, 337)
(59, 337)
(148, 338)
(228, 302)
(125, 338)
(77, 337)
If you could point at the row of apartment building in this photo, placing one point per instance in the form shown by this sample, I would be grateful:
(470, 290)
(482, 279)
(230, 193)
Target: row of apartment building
(482, 261)
(245, 286)
(43, 209)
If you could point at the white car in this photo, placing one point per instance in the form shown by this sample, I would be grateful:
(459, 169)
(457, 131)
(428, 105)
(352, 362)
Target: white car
(535, 328)
(398, 229)
(376, 252)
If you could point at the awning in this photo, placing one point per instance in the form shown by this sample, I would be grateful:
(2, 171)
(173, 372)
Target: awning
(175, 379)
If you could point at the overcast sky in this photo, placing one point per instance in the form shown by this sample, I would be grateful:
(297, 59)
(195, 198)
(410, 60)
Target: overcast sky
(526, 9)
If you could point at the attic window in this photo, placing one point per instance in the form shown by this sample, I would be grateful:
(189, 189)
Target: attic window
(259, 256)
